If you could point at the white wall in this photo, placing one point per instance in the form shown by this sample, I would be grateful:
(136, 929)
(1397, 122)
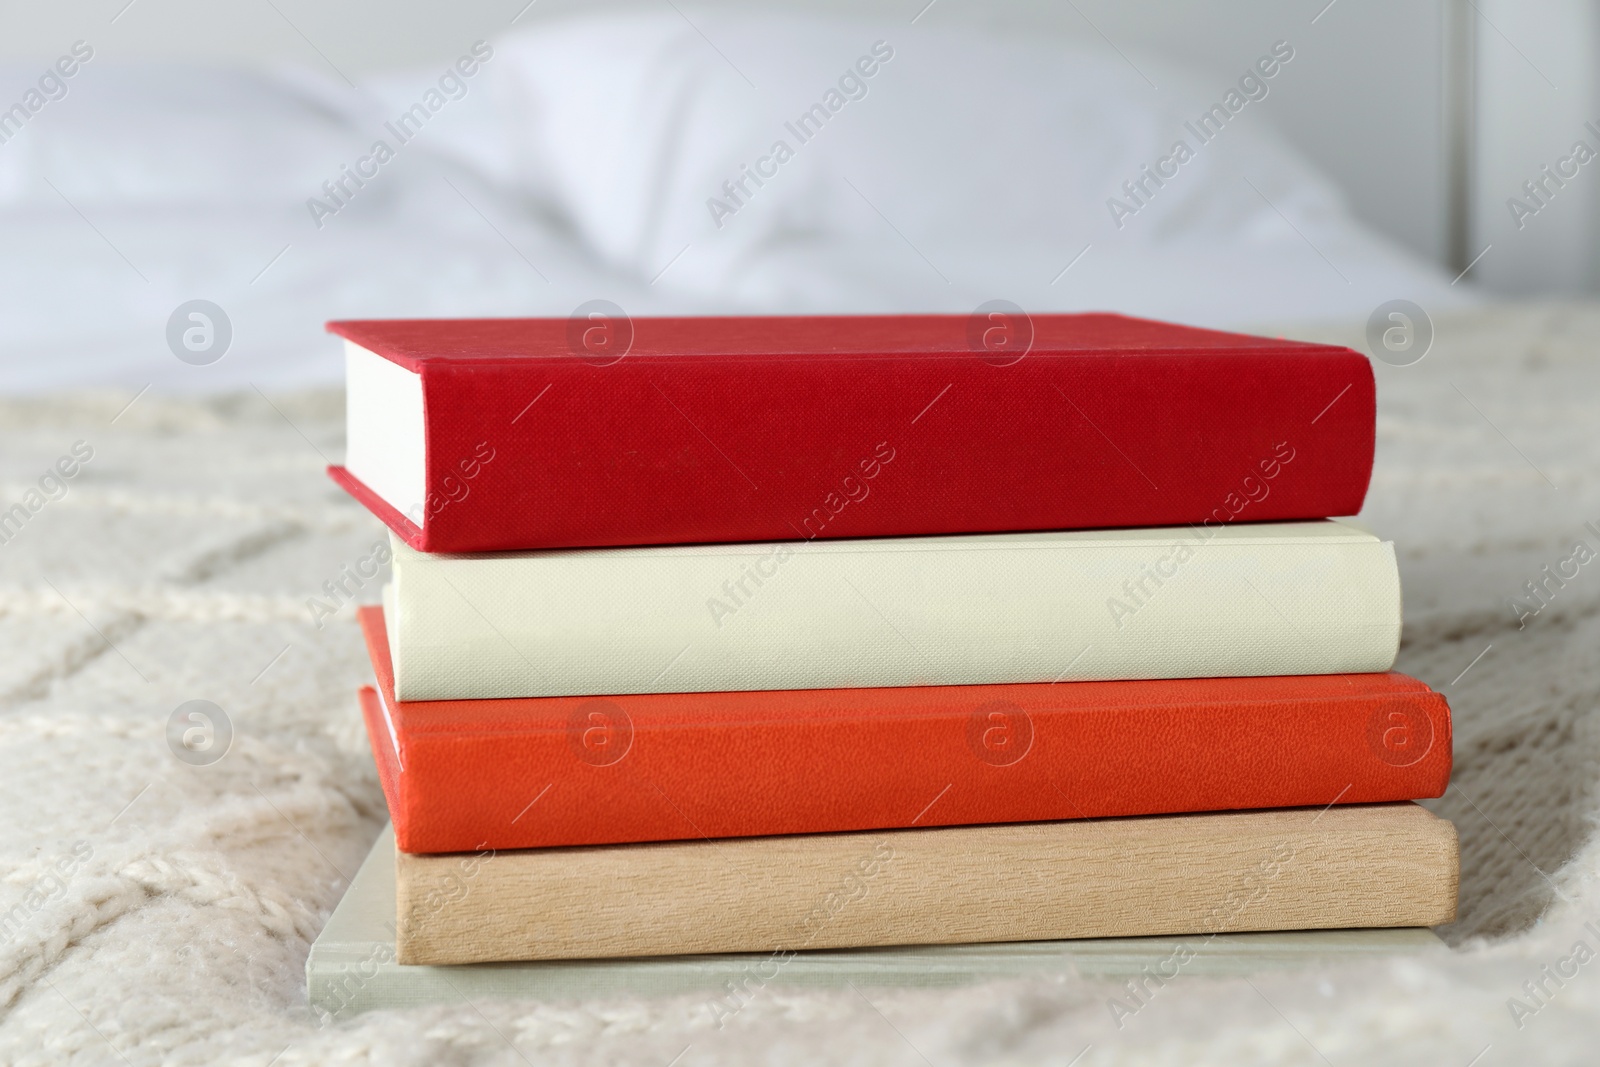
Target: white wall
(1537, 86)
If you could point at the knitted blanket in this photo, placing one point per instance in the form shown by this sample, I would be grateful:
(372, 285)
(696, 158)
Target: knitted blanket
(166, 863)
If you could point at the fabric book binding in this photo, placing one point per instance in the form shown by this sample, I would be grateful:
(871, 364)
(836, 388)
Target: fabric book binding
(352, 965)
(1299, 869)
(1245, 599)
(505, 434)
(506, 774)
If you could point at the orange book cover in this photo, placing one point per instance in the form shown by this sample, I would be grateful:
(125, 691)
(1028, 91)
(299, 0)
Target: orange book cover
(469, 775)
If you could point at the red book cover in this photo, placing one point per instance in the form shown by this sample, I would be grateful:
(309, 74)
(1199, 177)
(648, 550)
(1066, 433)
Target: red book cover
(550, 433)
(466, 775)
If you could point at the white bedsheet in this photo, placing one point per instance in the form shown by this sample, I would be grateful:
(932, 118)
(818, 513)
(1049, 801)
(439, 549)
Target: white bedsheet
(582, 160)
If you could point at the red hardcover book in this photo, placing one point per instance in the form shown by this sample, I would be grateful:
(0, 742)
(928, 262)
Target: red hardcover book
(514, 434)
(463, 775)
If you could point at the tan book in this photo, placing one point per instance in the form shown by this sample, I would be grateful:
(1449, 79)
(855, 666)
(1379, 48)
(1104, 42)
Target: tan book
(352, 967)
(1379, 865)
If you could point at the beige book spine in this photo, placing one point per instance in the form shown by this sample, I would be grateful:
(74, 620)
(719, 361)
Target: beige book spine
(1377, 865)
(1254, 599)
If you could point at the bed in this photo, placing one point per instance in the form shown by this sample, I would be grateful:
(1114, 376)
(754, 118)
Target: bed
(156, 911)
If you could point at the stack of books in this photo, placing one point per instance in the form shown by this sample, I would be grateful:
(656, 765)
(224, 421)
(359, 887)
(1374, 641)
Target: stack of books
(773, 634)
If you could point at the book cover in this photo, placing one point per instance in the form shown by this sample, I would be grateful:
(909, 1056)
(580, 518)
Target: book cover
(1300, 869)
(503, 434)
(510, 774)
(1245, 599)
(353, 966)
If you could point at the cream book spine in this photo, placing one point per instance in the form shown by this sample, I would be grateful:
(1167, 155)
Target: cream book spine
(1358, 866)
(1264, 599)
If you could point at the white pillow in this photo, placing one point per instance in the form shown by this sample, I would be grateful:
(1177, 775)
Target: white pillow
(957, 145)
(181, 136)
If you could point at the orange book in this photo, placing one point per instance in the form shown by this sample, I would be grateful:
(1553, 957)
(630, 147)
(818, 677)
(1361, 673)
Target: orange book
(469, 775)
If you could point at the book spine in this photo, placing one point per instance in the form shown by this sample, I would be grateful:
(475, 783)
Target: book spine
(1378, 866)
(543, 454)
(788, 616)
(619, 770)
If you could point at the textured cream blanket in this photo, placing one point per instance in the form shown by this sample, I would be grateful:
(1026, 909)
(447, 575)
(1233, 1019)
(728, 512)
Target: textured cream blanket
(158, 911)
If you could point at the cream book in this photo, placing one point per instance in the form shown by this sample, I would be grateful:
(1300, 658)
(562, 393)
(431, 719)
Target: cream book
(1246, 599)
(1379, 865)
